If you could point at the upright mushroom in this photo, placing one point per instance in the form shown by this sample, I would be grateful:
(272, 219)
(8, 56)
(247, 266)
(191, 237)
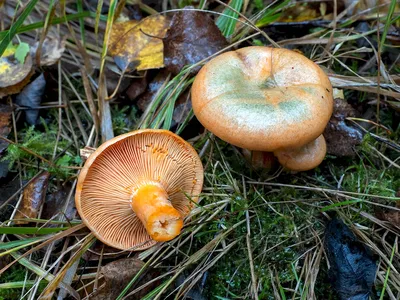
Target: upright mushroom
(265, 99)
(136, 188)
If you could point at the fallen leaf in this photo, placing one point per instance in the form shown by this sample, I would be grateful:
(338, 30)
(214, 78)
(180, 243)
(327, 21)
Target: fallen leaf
(300, 12)
(152, 89)
(192, 37)
(118, 274)
(391, 216)
(21, 52)
(183, 106)
(32, 198)
(5, 125)
(51, 51)
(31, 97)
(137, 87)
(86, 152)
(137, 44)
(340, 137)
(55, 203)
(352, 268)
(8, 187)
(14, 75)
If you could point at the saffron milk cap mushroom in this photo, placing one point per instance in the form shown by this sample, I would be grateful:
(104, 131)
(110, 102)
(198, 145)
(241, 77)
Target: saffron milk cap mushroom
(306, 157)
(136, 188)
(263, 99)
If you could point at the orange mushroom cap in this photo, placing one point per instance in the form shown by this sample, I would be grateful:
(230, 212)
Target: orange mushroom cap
(262, 98)
(136, 188)
(304, 158)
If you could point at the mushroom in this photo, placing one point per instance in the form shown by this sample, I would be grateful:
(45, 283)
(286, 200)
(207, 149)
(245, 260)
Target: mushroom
(136, 188)
(264, 99)
(306, 157)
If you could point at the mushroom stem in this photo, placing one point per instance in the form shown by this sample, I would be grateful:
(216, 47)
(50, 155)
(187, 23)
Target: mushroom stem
(151, 205)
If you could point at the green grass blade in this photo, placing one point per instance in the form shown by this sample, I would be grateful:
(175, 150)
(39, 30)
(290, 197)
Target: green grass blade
(14, 28)
(55, 21)
(343, 203)
(388, 270)
(387, 23)
(227, 22)
(272, 14)
(10, 245)
(30, 230)
(19, 284)
(79, 5)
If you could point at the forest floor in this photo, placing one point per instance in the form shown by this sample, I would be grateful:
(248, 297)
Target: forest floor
(77, 80)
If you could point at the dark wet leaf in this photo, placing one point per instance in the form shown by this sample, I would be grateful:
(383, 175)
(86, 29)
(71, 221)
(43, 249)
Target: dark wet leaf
(32, 199)
(55, 203)
(5, 124)
(31, 97)
(118, 274)
(340, 137)
(352, 268)
(137, 87)
(152, 89)
(8, 186)
(192, 37)
(391, 216)
(182, 109)
(5, 129)
(196, 292)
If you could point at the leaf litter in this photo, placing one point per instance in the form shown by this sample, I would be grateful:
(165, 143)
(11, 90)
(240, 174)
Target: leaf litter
(192, 37)
(32, 199)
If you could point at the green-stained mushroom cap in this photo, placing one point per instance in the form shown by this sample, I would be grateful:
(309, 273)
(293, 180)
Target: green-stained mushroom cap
(263, 99)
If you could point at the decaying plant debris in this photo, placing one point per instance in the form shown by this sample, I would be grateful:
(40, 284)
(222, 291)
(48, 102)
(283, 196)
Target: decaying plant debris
(79, 73)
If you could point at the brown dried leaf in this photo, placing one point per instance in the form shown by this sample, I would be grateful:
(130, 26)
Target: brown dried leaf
(137, 87)
(118, 274)
(392, 216)
(86, 152)
(32, 199)
(152, 90)
(138, 45)
(51, 51)
(340, 137)
(55, 203)
(192, 37)
(5, 124)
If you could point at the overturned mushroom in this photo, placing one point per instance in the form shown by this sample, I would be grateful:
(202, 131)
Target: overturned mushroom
(264, 99)
(136, 188)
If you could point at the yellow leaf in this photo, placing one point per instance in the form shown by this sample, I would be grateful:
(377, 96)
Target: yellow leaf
(300, 12)
(138, 45)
